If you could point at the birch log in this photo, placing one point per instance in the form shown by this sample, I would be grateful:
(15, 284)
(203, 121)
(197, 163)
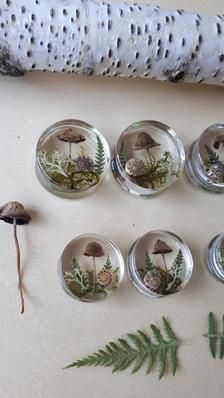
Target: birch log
(81, 36)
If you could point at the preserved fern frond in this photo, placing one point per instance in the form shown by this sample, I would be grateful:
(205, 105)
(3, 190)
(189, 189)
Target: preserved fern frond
(137, 349)
(222, 340)
(100, 157)
(212, 334)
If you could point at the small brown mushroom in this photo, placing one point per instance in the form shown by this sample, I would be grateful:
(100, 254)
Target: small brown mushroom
(219, 141)
(145, 141)
(162, 248)
(71, 136)
(14, 213)
(94, 249)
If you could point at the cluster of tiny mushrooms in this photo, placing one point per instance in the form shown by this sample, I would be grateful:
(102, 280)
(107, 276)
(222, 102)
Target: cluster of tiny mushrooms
(14, 213)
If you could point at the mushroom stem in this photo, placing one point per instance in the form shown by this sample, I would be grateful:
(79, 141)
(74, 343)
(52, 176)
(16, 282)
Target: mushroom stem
(94, 273)
(151, 157)
(70, 150)
(18, 265)
(164, 260)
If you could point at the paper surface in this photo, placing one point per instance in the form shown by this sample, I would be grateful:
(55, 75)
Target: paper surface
(55, 329)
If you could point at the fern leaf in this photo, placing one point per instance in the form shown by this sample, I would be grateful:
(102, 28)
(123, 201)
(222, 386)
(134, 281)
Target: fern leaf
(148, 261)
(122, 156)
(222, 340)
(177, 268)
(212, 334)
(136, 349)
(100, 157)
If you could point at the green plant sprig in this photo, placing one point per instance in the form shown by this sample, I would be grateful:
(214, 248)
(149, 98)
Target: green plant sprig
(213, 336)
(137, 349)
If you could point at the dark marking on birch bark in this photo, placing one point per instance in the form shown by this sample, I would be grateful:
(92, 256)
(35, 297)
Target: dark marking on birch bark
(158, 27)
(52, 13)
(109, 25)
(197, 48)
(132, 28)
(23, 10)
(118, 42)
(108, 9)
(219, 29)
(183, 42)
(166, 53)
(137, 55)
(8, 65)
(110, 53)
(221, 58)
(149, 40)
(197, 23)
(146, 28)
(139, 31)
(173, 18)
(176, 75)
(197, 72)
(77, 13)
(215, 74)
(167, 19)
(121, 12)
(201, 81)
(200, 39)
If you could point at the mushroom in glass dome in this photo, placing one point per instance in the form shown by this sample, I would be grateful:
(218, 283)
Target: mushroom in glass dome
(162, 248)
(145, 141)
(14, 213)
(94, 249)
(72, 137)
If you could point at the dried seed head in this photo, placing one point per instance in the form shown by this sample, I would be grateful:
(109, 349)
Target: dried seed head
(144, 141)
(152, 279)
(161, 247)
(105, 278)
(84, 163)
(135, 167)
(70, 135)
(14, 211)
(94, 249)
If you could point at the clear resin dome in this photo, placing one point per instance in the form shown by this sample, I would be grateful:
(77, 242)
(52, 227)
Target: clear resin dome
(91, 267)
(72, 158)
(215, 257)
(148, 158)
(160, 264)
(205, 163)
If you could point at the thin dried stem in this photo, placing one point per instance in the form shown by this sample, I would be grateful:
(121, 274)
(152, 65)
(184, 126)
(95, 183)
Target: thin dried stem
(18, 266)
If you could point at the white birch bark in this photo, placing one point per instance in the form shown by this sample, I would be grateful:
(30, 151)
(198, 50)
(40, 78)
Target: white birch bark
(81, 36)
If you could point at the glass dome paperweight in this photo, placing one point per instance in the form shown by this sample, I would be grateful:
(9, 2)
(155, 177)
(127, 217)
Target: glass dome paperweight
(215, 257)
(72, 158)
(91, 267)
(148, 158)
(205, 162)
(159, 264)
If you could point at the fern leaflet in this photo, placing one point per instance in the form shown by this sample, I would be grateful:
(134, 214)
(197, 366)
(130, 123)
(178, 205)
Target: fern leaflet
(148, 261)
(212, 334)
(222, 340)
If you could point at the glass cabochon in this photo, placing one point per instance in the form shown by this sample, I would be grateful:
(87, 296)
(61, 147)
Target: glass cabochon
(205, 163)
(149, 157)
(160, 264)
(91, 267)
(72, 157)
(215, 257)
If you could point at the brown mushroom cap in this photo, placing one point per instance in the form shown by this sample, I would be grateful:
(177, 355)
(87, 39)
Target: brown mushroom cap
(14, 211)
(70, 135)
(144, 141)
(94, 249)
(161, 247)
(218, 141)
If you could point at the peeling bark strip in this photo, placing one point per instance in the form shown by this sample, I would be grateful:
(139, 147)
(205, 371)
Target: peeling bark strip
(81, 36)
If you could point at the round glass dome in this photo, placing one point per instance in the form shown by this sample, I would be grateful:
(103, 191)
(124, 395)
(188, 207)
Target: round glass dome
(205, 162)
(91, 267)
(160, 264)
(72, 158)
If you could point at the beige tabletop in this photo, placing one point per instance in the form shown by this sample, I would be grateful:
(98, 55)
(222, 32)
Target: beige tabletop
(56, 329)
